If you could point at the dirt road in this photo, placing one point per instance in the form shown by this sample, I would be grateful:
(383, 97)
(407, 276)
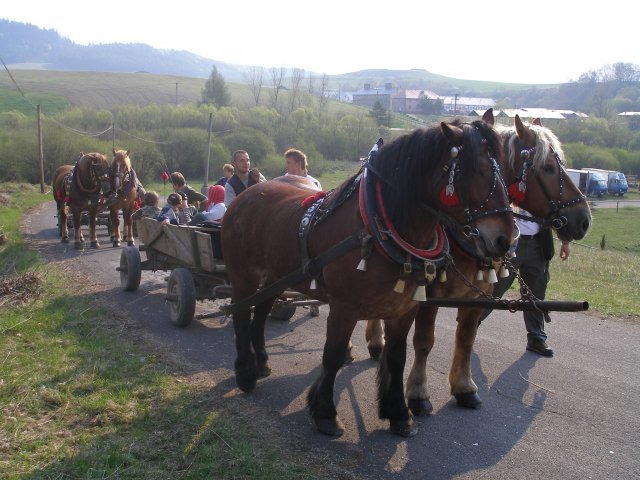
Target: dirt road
(572, 416)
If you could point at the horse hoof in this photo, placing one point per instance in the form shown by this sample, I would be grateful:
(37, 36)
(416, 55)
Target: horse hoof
(245, 383)
(403, 428)
(468, 400)
(374, 353)
(420, 407)
(131, 243)
(64, 240)
(95, 244)
(116, 243)
(330, 426)
(264, 371)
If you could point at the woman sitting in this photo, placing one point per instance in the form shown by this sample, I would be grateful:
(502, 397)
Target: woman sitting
(215, 207)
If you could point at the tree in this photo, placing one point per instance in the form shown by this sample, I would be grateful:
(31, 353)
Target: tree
(215, 90)
(277, 78)
(380, 114)
(255, 81)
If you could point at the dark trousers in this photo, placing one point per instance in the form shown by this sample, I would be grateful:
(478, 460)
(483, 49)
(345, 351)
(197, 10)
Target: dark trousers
(533, 269)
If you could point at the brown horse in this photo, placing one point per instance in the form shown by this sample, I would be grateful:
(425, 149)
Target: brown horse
(538, 182)
(123, 197)
(368, 248)
(80, 188)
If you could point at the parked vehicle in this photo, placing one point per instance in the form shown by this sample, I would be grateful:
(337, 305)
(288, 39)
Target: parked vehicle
(591, 183)
(616, 181)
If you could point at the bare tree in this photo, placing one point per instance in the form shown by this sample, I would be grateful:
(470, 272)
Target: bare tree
(311, 85)
(277, 78)
(323, 94)
(255, 80)
(297, 75)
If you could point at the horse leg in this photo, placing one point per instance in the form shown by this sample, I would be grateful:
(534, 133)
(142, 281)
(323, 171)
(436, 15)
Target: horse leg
(340, 325)
(62, 222)
(260, 314)
(463, 388)
(423, 339)
(128, 225)
(391, 402)
(77, 228)
(93, 212)
(115, 226)
(246, 366)
(374, 335)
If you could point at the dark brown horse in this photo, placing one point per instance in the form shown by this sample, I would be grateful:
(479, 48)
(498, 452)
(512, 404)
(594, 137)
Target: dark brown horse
(368, 249)
(80, 188)
(124, 194)
(538, 182)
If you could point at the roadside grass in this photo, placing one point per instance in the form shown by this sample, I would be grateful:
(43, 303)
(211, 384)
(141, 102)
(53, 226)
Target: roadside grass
(81, 396)
(609, 278)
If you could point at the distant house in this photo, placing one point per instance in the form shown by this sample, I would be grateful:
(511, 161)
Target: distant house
(409, 101)
(368, 96)
(456, 105)
(547, 115)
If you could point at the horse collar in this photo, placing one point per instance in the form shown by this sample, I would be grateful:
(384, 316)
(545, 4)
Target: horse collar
(387, 240)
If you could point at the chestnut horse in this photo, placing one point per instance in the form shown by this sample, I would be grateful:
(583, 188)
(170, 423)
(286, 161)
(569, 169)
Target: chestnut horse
(124, 193)
(80, 187)
(538, 182)
(367, 249)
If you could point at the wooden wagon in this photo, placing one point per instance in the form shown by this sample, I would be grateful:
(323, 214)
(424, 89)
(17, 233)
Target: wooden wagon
(194, 258)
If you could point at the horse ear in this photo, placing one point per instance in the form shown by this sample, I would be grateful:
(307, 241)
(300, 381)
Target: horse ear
(453, 133)
(128, 152)
(520, 128)
(488, 117)
(536, 121)
(114, 150)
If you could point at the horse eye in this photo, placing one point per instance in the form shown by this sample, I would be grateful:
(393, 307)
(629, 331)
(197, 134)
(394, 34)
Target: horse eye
(549, 169)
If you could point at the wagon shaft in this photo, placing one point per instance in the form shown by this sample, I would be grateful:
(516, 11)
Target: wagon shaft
(511, 305)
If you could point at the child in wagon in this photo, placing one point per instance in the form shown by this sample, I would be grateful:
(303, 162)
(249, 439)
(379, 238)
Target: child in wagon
(176, 211)
(150, 209)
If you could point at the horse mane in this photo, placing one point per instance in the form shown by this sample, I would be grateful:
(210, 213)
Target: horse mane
(546, 141)
(410, 167)
(122, 156)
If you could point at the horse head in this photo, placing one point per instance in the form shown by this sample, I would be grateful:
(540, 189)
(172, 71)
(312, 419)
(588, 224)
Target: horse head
(539, 183)
(472, 193)
(94, 172)
(120, 168)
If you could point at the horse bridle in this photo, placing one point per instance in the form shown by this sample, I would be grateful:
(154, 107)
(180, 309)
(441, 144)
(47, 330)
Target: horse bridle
(469, 229)
(553, 219)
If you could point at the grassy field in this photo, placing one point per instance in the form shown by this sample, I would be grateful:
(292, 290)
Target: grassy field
(82, 397)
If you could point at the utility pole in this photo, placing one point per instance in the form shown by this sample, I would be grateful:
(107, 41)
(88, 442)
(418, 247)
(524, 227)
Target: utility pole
(176, 94)
(455, 104)
(205, 187)
(40, 155)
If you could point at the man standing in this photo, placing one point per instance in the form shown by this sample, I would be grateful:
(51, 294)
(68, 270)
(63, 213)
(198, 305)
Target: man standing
(533, 253)
(243, 178)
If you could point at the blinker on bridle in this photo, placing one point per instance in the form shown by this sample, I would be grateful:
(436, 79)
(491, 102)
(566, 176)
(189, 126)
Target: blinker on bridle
(449, 197)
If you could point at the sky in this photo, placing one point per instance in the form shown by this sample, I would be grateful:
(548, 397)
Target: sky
(534, 41)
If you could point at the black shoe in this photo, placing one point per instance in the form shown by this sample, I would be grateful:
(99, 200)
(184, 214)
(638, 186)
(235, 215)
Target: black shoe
(540, 347)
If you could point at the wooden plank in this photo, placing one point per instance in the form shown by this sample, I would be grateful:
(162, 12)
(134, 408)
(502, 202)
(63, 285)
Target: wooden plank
(205, 251)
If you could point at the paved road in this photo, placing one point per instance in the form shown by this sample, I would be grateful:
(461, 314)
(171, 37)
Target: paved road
(574, 416)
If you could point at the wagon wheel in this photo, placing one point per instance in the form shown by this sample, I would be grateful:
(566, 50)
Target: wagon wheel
(181, 296)
(130, 269)
(282, 311)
